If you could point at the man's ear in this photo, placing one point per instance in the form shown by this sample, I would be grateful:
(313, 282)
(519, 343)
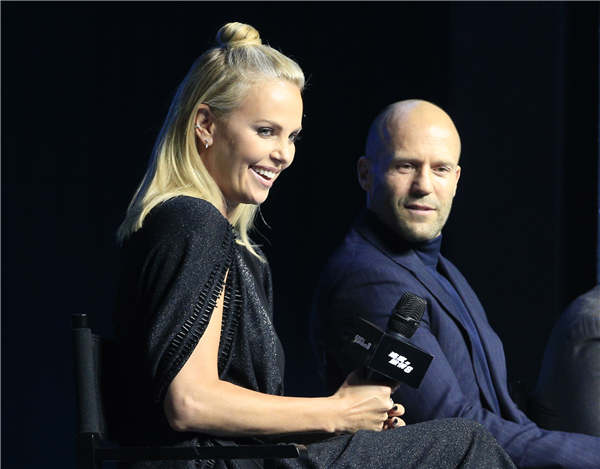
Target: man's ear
(364, 173)
(458, 170)
(204, 125)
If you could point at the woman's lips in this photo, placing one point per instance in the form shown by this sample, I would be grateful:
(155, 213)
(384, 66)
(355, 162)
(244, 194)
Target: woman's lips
(265, 176)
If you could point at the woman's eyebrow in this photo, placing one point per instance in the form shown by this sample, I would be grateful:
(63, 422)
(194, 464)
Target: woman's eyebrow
(276, 125)
(269, 122)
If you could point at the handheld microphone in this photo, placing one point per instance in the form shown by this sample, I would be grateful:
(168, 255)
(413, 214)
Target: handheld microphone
(406, 316)
(389, 356)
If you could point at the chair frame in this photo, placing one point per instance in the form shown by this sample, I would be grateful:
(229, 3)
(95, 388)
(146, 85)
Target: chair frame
(92, 448)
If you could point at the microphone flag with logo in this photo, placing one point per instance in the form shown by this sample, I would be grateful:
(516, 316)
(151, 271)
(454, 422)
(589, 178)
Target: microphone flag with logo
(389, 355)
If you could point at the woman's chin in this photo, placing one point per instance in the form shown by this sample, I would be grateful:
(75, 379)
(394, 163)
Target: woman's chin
(257, 197)
(252, 199)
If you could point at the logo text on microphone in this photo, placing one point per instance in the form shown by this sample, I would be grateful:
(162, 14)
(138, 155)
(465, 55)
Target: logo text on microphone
(399, 361)
(362, 342)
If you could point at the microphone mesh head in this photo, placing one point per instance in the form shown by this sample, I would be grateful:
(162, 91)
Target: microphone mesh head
(407, 314)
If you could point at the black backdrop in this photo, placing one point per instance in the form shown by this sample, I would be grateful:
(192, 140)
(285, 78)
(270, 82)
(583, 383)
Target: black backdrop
(85, 87)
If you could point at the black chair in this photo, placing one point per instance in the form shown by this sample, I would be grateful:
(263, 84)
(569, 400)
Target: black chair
(94, 444)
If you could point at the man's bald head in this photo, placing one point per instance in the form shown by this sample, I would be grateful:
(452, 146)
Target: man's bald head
(398, 122)
(410, 171)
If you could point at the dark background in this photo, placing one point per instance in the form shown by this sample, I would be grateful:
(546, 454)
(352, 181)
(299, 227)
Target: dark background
(85, 87)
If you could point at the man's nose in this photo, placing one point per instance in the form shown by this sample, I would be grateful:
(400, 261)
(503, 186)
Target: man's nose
(422, 183)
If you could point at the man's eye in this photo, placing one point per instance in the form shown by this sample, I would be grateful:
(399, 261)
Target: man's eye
(404, 166)
(443, 169)
(265, 131)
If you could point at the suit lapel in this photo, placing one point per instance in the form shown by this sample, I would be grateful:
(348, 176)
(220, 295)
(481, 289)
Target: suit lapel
(477, 314)
(467, 295)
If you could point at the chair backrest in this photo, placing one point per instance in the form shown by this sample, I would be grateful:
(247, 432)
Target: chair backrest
(86, 355)
(94, 358)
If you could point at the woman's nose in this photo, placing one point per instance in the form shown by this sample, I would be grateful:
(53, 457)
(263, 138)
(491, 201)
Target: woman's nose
(284, 154)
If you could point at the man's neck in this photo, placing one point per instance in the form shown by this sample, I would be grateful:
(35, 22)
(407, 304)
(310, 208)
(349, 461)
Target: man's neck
(427, 250)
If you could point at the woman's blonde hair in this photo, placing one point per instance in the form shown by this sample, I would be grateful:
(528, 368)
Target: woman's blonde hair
(220, 79)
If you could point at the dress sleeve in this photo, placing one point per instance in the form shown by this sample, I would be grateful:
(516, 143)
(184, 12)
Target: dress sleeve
(189, 248)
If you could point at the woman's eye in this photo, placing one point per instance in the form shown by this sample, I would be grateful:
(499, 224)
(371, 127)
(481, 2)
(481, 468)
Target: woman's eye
(265, 131)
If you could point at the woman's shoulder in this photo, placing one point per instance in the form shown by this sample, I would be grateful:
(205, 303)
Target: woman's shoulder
(186, 208)
(185, 217)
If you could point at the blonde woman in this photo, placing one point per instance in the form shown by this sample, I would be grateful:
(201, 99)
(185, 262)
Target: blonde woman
(201, 359)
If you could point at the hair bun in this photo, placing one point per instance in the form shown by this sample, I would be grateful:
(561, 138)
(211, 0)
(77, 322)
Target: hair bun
(237, 34)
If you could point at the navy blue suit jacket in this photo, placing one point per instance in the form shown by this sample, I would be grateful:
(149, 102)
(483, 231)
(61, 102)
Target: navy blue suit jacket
(365, 277)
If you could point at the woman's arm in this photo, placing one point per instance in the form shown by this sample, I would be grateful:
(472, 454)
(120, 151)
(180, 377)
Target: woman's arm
(197, 400)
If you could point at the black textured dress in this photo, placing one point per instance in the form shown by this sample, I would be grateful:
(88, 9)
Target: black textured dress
(173, 270)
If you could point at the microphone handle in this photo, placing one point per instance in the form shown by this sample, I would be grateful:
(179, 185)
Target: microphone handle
(373, 377)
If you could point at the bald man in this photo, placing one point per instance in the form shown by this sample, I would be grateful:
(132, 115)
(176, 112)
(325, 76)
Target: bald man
(410, 173)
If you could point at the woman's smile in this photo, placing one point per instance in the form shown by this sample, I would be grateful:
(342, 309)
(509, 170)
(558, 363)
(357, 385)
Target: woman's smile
(265, 176)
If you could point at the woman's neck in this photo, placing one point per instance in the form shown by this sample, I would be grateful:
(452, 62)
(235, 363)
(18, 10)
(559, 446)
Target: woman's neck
(228, 209)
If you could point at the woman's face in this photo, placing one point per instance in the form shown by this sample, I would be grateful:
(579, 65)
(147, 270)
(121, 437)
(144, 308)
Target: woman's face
(255, 142)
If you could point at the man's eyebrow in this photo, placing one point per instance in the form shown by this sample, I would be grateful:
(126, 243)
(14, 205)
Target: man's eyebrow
(415, 160)
(444, 161)
(407, 159)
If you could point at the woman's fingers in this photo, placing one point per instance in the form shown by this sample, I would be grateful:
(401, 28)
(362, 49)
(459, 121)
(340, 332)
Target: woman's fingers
(393, 422)
(396, 410)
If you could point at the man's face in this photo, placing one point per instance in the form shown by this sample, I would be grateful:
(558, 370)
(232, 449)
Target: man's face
(411, 184)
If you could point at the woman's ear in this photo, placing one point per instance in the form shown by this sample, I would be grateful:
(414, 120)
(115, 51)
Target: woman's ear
(205, 125)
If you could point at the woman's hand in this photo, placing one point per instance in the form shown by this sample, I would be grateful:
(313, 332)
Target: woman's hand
(366, 406)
